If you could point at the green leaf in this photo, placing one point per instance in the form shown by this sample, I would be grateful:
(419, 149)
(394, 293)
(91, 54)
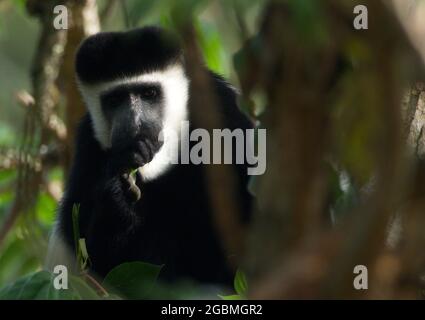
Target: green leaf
(7, 134)
(211, 45)
(184, 11)
(35, 286)
(5, 201)
(231, 297)
(240, 283)
(39, 286)
(16, 260)
(45, 209)
(56, 174)
(84, 255)
(132, 280)
(80, 243)
(7, 175)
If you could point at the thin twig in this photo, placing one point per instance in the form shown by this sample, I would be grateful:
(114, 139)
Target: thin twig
(100, 289)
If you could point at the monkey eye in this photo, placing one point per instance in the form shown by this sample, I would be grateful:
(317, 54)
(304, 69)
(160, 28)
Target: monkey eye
(113, 99)
(150, 93)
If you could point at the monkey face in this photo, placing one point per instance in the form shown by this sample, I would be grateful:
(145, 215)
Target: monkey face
(134, 114)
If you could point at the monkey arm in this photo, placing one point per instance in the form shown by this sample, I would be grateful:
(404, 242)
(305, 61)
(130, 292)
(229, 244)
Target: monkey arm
(105, 198)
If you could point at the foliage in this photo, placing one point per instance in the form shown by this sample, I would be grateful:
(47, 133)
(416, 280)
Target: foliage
(240, 285)
(133, 280)
(39, 286)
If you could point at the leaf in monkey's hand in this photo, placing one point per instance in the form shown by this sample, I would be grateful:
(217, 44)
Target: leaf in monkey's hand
(133, 173)
(132, 280)
(132, 188)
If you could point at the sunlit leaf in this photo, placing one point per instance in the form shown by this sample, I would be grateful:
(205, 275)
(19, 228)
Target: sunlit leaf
(211, 46)
(46, 208)
(231, 297)
(7, 175)
(240, 283)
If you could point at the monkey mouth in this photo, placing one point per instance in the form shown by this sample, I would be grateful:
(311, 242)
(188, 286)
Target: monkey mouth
(143, 152)
(134, 155)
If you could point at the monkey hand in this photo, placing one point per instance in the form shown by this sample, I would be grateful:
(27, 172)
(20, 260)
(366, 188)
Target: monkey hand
(123, 178)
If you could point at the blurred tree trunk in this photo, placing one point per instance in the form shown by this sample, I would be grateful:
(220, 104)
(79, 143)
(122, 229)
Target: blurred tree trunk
(414, 118)
(41, 118)
(83, 22)
(47, 141)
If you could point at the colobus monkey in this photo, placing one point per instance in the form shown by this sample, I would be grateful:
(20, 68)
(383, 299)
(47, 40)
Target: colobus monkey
(134, 85)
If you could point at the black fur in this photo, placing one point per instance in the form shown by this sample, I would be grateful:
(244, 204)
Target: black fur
(172, 223)
(106, 55)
